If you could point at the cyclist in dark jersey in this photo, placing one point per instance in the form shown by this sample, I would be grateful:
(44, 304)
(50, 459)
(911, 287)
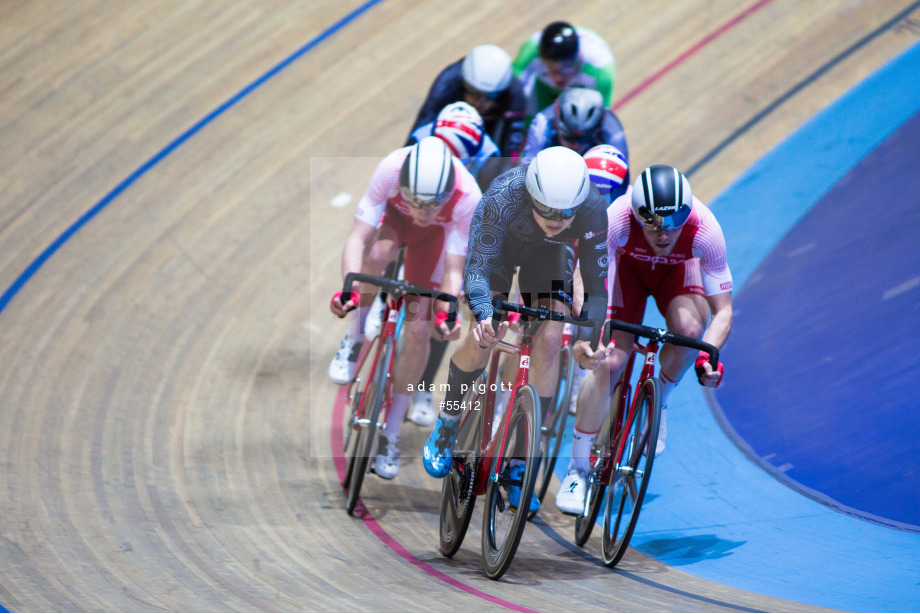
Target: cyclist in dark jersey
(529, 217)
(483, 79)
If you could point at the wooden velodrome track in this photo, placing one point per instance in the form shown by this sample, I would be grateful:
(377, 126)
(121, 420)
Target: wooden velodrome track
(165, 432)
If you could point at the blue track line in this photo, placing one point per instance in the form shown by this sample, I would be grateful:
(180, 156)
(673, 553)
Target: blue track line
(49, 251)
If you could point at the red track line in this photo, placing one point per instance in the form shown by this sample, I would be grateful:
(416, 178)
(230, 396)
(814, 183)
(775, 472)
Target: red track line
(691, 51)
(339, 408)
(375, 528)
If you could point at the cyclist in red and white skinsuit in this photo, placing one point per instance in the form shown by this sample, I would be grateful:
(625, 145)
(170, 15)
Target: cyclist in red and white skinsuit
(665, 243)
(424, 197)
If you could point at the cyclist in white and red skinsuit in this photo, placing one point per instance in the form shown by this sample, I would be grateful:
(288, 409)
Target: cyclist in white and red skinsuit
(424, 197)
(662, 242)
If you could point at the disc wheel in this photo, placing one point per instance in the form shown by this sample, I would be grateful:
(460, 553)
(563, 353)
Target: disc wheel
(457, 498)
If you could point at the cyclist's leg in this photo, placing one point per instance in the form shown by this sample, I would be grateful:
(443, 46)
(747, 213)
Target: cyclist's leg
(628, 305)
(423, 411)
(411, 360)
(594, 394)
(681, 300)
(467, 362)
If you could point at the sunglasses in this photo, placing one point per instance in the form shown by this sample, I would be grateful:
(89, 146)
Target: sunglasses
(426, 205)
(669, 223)
(553, 215)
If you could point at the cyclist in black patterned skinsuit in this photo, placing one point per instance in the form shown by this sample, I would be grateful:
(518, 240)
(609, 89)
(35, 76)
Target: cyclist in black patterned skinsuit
(529, 217)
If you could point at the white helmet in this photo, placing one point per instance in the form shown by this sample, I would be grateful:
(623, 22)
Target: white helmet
(426, 178)
(558, 181)
(487, 68)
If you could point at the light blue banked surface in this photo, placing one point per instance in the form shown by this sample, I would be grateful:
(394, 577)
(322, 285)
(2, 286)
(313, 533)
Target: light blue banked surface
(710, 510)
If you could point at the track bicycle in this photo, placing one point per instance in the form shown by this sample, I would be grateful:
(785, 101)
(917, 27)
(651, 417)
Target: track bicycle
(369, 394)
(624, 451)
(482, 463)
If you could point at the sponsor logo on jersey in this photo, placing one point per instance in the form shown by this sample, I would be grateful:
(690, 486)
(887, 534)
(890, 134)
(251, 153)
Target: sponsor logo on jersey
(726, 286)
(672, 259)
(591, 235)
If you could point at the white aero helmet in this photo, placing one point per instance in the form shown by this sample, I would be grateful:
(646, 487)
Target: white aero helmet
(426, 178)
(487, 68)
(558, 181)
(460, 126)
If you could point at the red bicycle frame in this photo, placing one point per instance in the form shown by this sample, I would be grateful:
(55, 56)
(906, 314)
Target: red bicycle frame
(521, 379)
(626, 398)
(391, 315)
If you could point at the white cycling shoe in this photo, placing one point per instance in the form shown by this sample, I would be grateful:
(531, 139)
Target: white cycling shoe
(344, 364)
(571, 496)
(387, 462)
(423, 412)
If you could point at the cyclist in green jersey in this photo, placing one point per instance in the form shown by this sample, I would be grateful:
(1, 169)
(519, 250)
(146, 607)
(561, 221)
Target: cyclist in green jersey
(560, 56)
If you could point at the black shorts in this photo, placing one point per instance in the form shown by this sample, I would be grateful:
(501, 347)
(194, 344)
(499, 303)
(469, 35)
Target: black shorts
(545, 270)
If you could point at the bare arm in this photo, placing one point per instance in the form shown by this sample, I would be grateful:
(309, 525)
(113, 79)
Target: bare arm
(721, 324)
(352, 257)
(719, 328)
(451, 284)
(355, 246)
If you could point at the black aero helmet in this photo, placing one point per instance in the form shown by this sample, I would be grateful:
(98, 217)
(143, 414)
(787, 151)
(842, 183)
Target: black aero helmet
(559, 42)
(661, 197)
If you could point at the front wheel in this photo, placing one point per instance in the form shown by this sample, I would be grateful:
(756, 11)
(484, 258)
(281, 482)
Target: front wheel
(364, 446)
(553, 426)
(356, 400)
(457, 498)
(503, 525)
(631, 473)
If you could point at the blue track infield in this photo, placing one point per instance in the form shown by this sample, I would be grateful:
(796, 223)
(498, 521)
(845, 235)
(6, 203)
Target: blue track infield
(712, 510)
(825, 344)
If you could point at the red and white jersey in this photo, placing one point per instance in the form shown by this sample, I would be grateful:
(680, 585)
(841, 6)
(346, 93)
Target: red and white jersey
(700, 237)
(455, 216)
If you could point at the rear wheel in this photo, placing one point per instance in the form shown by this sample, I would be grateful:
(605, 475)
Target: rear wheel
(632, 472)
(553, 425)
(502, 525)
(457, 498)
(367, 424)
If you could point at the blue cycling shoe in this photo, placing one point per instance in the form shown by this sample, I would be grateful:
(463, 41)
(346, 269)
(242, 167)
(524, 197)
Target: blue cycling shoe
(516, 473)
(438, 452)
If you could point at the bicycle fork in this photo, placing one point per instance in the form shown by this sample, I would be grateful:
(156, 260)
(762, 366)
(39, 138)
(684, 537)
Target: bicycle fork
(648, 371)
